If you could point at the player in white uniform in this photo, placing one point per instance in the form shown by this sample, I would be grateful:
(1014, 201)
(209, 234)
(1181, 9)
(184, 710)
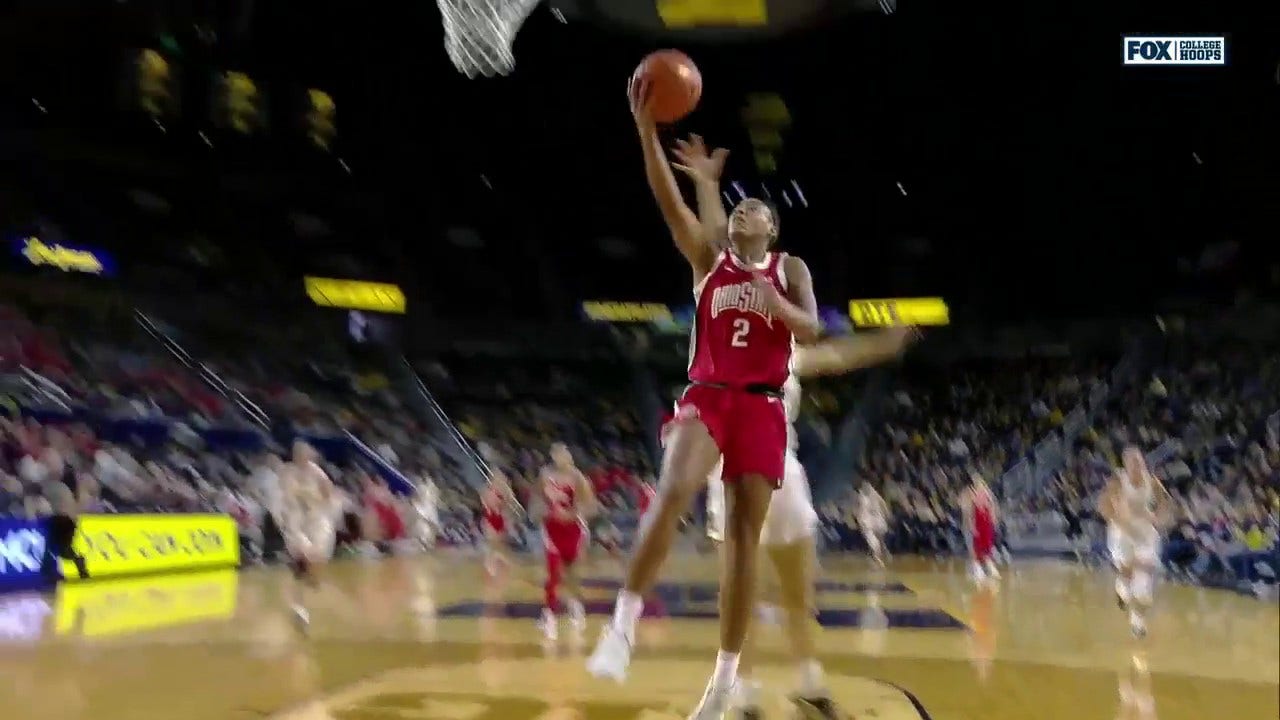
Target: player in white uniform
(1135, 505)
(308, 516)
(789, 534)
(873, 520)
(426, 505)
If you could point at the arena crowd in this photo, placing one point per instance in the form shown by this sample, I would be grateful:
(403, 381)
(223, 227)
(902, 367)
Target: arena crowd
(84, 392)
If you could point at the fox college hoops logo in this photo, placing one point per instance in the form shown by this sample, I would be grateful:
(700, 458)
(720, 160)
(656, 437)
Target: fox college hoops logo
(540, 688)
(1144, 50)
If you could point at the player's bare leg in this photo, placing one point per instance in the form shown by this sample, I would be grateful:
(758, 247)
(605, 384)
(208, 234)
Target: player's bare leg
(495, 556)
(748, 503)
(690, 456)
(1124, 578)
(573, 590)
(1141, 586)
(304, 577)
(796, 567)
(875, 543)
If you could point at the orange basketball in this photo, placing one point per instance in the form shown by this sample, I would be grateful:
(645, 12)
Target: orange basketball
(674, 84)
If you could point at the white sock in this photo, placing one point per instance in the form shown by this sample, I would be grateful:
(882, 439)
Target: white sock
(812, 683)
(726, 669)
(627, 611)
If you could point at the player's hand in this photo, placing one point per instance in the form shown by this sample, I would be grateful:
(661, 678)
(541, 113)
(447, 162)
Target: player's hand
(902, 336)
(767, 291)
(638, 98)
(696, 162)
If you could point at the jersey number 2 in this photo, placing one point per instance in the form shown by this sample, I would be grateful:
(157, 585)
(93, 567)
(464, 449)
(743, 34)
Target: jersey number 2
(741, 327)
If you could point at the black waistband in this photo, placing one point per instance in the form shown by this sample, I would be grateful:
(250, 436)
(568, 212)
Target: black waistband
(753, 388)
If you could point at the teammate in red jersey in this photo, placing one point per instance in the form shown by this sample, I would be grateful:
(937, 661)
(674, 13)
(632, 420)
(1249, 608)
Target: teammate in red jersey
(569, 501)
(979, 511)
(752, 305)
(496, 499)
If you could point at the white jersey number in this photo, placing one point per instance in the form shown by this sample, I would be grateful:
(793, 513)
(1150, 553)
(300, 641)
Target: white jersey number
(741, 328)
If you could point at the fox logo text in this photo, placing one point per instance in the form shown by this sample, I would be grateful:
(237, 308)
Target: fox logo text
(1140, 50)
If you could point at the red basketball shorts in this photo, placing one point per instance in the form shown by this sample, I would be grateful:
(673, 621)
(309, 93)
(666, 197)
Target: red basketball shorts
(565, 539)
(749, 428)
(984, 538)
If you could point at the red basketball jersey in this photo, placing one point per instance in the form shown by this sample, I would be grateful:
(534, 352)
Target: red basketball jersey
(736, 340)
(560, 493)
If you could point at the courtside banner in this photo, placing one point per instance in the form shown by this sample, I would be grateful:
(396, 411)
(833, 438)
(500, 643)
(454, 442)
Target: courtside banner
(121, 545)
(22, 545)
(130, 605)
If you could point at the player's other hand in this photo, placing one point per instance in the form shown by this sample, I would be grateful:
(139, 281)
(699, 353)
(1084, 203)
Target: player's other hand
(638, 98)
(767, 291)
(902, 336)
(696, 162)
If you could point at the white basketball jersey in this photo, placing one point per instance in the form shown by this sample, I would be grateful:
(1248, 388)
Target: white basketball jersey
(1138, 501)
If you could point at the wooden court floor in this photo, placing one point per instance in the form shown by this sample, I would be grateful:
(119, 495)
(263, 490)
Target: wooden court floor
(429, 638)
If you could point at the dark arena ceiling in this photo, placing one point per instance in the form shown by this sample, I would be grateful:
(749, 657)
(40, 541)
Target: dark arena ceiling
(1001, 156)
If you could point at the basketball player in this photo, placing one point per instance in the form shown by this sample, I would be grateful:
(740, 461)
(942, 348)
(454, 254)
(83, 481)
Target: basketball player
(426, 505)
(752, 306)
(1135, 503)
(873, 520)
(569, 502)
(495, 499)
(789, 535)
(308, 520)
(980, 515)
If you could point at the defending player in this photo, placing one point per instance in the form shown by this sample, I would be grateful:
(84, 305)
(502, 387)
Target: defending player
(752, 306)
(1135, 504)
(570, 501)
(308, 520)
(789, 536)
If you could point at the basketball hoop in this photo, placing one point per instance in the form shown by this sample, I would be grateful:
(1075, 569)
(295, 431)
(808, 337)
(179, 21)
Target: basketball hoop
(478, 33)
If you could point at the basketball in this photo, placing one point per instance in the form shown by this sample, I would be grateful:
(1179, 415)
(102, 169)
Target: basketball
(674, 84)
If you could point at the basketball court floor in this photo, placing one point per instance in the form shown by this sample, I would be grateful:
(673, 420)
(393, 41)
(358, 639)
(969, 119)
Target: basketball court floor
(429, 638)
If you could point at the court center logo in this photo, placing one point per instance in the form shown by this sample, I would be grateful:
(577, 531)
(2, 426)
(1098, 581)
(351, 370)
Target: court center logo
(540, 688)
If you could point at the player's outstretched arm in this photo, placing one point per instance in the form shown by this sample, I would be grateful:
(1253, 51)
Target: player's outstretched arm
(704, 169)
(841, 355)
(684, 225)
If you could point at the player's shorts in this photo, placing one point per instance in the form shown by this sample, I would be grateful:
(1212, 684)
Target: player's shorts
(566, 539)
(1130, 548)
(495, 522)
(312, 538)
(749, 428)
(791, 517)
(983, 540)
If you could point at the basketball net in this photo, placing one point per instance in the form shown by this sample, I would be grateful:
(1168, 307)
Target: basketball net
(478, 33)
